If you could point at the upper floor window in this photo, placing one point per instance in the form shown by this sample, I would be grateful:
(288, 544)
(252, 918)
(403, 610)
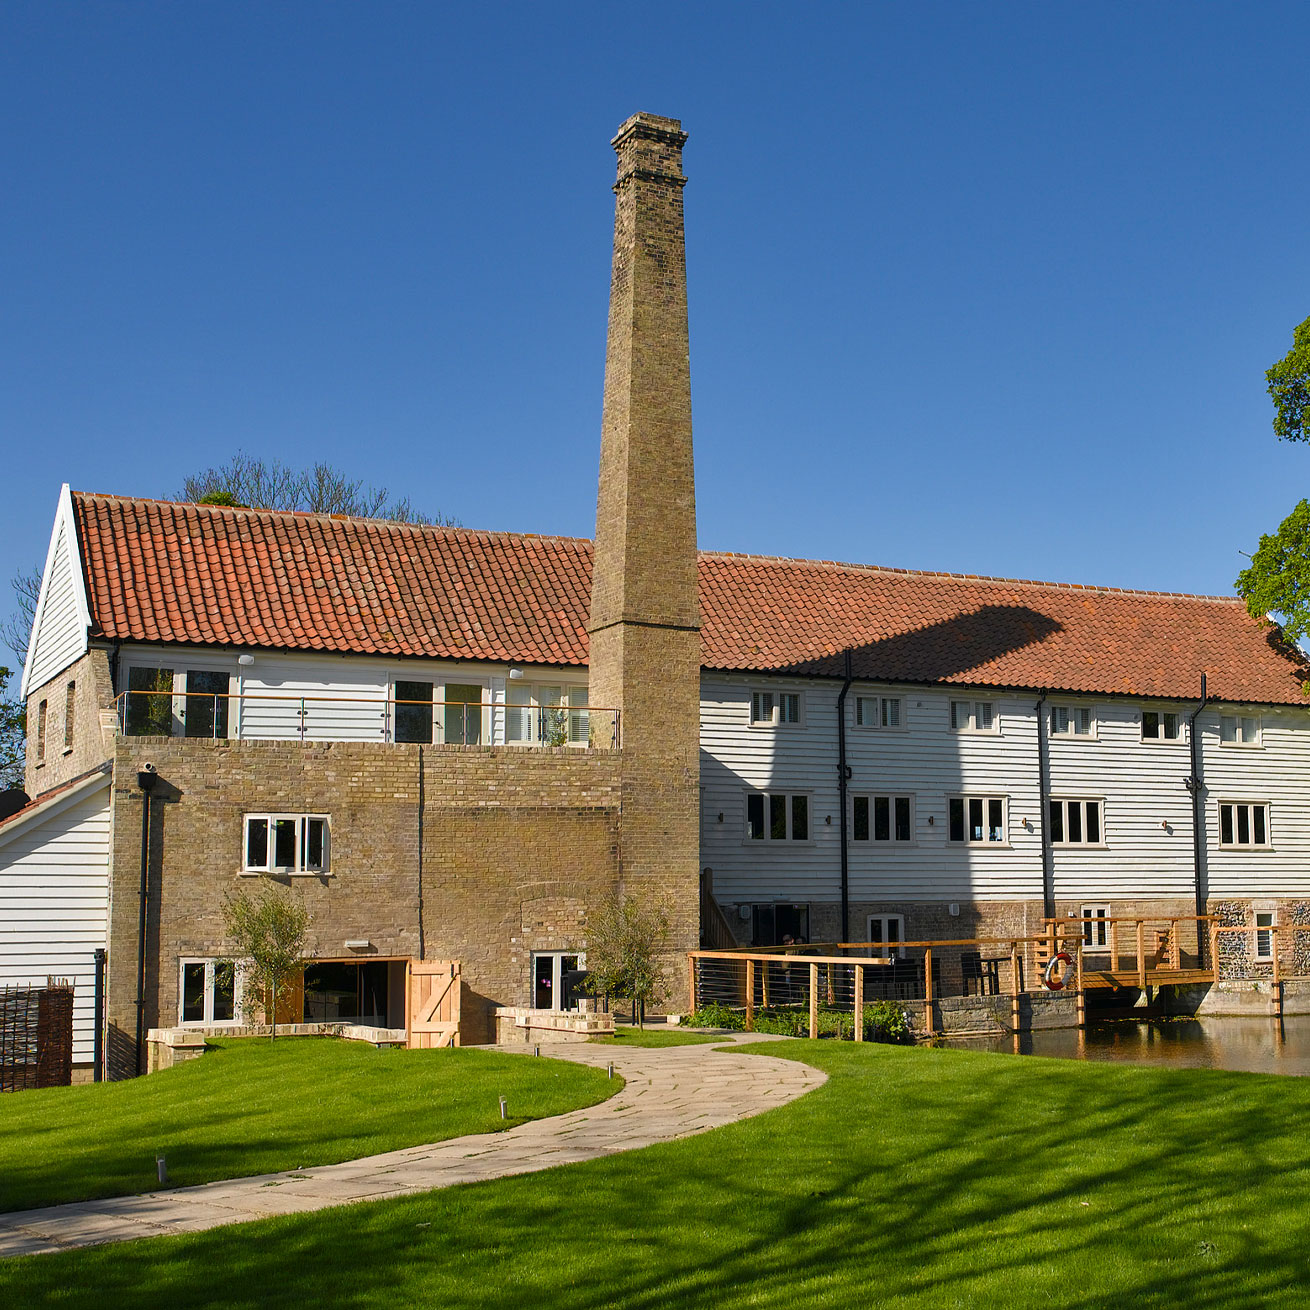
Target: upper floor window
(1076, 823)
(973, 715)
(1243, 824)
(1071, 721)
(547, 715)
(771, 708)
(976, 820)
(1239, 730)
(286, 843)
(205, 709)
(882, 818)
(1161, 725)
(149, 703)
(70, 712)
(878, 711)
(777, 816)
(413, 712)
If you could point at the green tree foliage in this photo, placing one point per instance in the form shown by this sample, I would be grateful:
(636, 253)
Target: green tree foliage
(13, 734)
(269, 928)
(247, 481)
(627, 944)
(1289, 388)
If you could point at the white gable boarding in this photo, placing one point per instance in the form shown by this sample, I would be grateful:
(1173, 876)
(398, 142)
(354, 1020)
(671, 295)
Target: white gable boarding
(59, 629)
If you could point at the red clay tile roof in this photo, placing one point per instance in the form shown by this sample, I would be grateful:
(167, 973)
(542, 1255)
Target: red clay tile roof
(158, 571)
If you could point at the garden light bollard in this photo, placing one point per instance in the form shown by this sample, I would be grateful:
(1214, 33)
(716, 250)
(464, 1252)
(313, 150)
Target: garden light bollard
(161, 1170)
(503, 1115)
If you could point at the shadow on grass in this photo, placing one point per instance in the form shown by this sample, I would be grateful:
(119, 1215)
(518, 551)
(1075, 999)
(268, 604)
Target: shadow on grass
(931, 1177)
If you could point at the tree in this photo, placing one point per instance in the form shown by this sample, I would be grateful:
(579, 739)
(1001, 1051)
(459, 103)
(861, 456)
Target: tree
(247, 481)
(1278, 579)
(13, 735)
(17, 628)
(627, 942)
(269, 930)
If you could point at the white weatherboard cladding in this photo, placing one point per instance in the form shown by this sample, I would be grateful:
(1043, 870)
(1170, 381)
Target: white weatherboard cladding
(54, 896)
(59, 628)
(1276, 772)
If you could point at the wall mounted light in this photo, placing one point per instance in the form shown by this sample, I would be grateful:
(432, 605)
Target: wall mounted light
(516, 674)
(930, 821)
(720, 816)
(245, 660)
(828, 820)
(361, 945)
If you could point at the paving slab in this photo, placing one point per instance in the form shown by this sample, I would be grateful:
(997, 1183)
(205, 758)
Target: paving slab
(669, 1092)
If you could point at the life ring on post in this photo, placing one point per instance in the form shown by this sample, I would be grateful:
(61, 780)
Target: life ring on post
(1055, 977)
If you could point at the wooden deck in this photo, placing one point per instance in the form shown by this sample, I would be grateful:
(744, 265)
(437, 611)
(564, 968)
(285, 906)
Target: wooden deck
(1104, 979)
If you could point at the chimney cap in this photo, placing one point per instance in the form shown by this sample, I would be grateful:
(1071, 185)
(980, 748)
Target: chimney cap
(652, 127)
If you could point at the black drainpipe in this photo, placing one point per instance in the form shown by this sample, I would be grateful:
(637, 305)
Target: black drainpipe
(146, 779)
(843, 778)
(1197, 788)
(1044, 810)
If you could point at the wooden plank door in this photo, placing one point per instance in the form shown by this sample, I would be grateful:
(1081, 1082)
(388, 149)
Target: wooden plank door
(433, 1003)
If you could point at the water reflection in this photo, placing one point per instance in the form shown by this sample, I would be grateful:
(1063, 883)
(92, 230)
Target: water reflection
(1252, 1045)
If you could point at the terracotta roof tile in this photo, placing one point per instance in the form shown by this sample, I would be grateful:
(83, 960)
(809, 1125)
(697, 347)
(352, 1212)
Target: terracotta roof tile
(167, 572)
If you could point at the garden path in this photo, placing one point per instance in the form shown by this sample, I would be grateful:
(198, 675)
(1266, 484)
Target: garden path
(669, 1092)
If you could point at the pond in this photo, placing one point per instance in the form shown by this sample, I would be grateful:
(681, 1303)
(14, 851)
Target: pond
(1252, 1045)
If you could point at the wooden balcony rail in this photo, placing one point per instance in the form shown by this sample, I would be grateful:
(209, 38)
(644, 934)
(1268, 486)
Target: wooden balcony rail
(269, 716)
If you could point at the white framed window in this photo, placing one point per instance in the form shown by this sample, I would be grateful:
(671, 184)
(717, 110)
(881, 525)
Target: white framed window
(883, 819)
(1243, 824)
(1264, 935)
(878, 712)
(887, 930)
(287, 843)
(772, 709)
(209, 992)
(1095, 927)
(1076, 823)
(547, 714)
(1072, 721)
(1162, 725)
(1239, 730)
(974, 716)
(557, 979)
(777, 816)
(976, 820)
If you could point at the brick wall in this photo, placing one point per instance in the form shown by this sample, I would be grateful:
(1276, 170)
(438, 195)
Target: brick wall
(93, 724)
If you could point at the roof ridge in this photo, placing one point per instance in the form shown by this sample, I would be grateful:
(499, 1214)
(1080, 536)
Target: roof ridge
(748, 557)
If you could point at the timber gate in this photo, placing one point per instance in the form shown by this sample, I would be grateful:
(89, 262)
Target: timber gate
(433, 1003)
(36, 1036)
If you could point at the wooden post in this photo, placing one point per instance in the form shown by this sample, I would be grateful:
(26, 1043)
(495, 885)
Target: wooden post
(1141, 955)
(764, 984)
(1214, 951)
(750, 995)
(928, 1022)
(691, 983)
(1278, 980)
(859, 1002)
(1114, 944)
(1014, 985)
(1175, 951)
(1082, 995)
(814, 1000)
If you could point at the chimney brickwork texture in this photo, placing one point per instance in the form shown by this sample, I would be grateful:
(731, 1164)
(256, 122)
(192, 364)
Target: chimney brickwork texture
(645, 617)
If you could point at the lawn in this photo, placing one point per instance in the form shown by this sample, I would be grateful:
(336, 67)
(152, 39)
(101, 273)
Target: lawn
(253, 1106)
(650, 1037)
(914, 1176)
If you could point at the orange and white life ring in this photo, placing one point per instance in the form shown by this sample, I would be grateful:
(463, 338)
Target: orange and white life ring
(1054, 976)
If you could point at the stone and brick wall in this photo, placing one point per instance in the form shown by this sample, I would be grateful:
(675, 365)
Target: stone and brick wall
(92, 730)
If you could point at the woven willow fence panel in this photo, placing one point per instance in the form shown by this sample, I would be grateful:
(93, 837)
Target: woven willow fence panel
(36, 1036)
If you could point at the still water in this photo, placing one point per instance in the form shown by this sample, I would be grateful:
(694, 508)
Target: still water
(1253, 1045)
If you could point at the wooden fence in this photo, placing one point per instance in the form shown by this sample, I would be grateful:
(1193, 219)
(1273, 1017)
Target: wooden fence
(36, 1036)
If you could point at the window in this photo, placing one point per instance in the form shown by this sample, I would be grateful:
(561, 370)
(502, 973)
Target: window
(149, 703)
(42, 711)
(205, 712)
(557, 979)
(462, 714)
(777, 816)
(882, 818)
(976, 820)
(1264, 936)
(1076, 823)
(1243, 823)
(973, 715)
(1161, 725)
(1071, 721)
(286, 843)
(547, 715)
(346, 991)
(771, 924)
(771, 708)
(1239, 730)
(878, 711)
(887, 930)
(413, 712)
(1094, 925)
(70, 711)
(210, 992)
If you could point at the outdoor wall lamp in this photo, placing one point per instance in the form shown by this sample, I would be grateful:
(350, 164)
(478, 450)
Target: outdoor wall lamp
(516, 674)
(245, 660)
(359, 945)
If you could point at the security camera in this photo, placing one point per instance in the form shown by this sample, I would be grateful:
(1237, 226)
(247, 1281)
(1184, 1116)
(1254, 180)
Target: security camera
(147, 767)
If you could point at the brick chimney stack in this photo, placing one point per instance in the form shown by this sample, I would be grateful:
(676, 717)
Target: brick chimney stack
(645, 611)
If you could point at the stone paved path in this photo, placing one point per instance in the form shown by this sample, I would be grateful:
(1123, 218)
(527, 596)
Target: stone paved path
(670, 1092)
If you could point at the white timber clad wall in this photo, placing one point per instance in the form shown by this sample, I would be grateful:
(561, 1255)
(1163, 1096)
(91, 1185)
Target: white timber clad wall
(59, 638)
(54, 896)
(1277, 772)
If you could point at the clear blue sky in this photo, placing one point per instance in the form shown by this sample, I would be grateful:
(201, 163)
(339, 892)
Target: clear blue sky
(987, 288)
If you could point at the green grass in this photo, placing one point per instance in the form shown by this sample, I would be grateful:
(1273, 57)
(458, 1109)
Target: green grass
(914, 1176)
(252, 1106)
(655, 1037)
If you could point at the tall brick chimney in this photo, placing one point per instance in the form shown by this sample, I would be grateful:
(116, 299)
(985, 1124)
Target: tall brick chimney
(645, 612)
